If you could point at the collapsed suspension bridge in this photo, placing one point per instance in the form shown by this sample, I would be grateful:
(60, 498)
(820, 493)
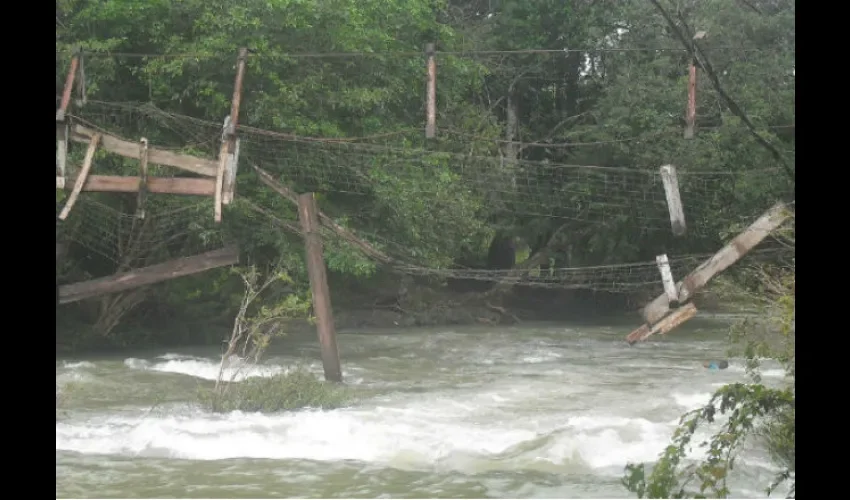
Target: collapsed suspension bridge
(574, 194)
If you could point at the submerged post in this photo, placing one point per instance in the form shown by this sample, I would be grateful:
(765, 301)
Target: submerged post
(307, 215)
(431, 104)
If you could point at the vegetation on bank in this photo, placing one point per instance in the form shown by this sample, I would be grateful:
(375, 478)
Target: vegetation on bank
(740, 413)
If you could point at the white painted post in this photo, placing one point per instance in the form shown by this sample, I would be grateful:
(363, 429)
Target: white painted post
(674, 200)
(667, 278)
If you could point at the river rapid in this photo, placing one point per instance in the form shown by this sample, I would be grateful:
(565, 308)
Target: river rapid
(535, 410)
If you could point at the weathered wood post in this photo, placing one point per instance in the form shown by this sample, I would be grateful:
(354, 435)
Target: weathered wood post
(431, 103)
(307, 215)
(691, 116)
(228, 145)
(143, 178)
(667, 279)
(81, 178)
(62, 123)
(674, 199)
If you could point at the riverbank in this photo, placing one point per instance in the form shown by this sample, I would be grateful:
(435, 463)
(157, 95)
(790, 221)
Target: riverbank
(385, 306)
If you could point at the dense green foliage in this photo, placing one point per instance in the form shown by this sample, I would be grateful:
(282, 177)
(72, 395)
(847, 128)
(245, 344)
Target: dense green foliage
(164, 70)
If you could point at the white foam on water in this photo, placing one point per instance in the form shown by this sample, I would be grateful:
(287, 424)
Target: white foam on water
(414, 434)
(603, 442)
(764, 372)
(202, 368)
(692, 401)
(77, 365)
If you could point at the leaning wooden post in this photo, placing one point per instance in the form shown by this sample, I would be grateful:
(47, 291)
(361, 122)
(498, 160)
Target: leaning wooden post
(674, 199)
(307, 215)
(228, 144)
(62, 124)
(81, 178)
(431, 104)
(657, 313)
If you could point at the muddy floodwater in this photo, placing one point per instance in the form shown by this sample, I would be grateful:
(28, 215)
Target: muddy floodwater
(536, 410)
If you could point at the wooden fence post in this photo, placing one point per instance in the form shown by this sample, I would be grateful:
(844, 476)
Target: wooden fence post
(307, 215)
(228, 144)
(431, 104)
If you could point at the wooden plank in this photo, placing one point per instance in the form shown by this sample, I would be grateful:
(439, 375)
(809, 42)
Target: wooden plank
(148, 275)
(81, 179)
(669, 322)
(667, 278)
(674, 200)
(159, 185)
(319, 286)
(143, 178)
(128, 149)
(431, 105)
(719, 262)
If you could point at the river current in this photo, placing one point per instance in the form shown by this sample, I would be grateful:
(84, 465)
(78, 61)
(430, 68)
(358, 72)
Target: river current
(535, 410)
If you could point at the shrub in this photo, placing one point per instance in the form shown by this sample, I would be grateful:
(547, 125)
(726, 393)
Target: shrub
(295, 390)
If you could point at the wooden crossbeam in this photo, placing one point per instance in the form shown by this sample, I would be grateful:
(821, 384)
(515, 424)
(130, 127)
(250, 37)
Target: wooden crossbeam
(148, 275)
(128, 149)
(159, 185)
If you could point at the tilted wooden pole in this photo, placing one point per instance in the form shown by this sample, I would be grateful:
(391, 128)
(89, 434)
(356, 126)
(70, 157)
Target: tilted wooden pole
(319, 285)
(656, 310)
(81, 179)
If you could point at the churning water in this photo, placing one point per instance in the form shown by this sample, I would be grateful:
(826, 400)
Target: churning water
(528, 411)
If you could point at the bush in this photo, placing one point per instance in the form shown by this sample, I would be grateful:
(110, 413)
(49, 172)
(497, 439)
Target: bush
(295, 390)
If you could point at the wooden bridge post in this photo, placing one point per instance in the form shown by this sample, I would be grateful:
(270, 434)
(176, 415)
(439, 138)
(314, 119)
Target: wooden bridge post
(62, 124)
(227, 153)
(431, 103)
(307, 215)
